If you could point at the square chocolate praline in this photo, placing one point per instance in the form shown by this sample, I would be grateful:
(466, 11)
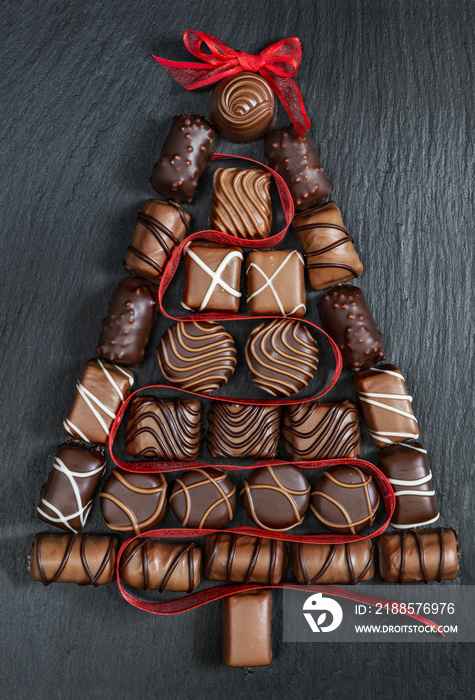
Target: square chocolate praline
(275, 283)
(236, 431)
(247, 621)
(165, 429)
(212, 277)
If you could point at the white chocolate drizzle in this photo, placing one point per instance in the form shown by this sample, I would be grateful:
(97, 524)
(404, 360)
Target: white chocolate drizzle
(216, 276)
(269, 283)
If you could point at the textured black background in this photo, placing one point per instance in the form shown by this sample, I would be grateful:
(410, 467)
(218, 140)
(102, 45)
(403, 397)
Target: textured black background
(389, 90)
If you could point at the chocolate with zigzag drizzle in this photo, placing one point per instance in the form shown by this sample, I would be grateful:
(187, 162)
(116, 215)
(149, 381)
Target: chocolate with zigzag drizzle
(203, 498)
(412, 556)
(243, 559)
(82, 559)
(352, 562)
(162, 566)
(164, 429)
(329, 253)
(133, 502)
(321, 430)
(243, 431)
(161, 226)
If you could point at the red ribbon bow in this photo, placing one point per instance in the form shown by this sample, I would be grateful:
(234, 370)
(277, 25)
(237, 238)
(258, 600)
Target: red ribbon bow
(278, 64)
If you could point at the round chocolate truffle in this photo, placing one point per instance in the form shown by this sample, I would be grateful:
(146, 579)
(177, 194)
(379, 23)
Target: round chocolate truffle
(243, 107)
(133, 502)
(282, 356)
(203, 498)
(345, 500)
(276, 497)
(198, 356)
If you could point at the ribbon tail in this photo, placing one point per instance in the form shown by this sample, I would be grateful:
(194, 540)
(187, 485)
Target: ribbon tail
(195, 75)
(289, 94)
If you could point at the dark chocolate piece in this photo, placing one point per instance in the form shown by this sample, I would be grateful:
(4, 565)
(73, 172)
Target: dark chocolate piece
(282, 356)
(197, 355)
(351, 563)
(296, 161)
(242, 107)
(129, 322)
(185, 157)
(161, 226)
(241, 204)
(212, 277)
(406, 467)
(164, 429)
(163, 566)
(236, 431)
(276, 497)
(275, 283)
(203, 498)
(321, 430)
(88, 560)
(345, 500)
(244, 559)
(329, 253)
(100, 393)
(133, 502)
(347, 319)
(386, 405)
(412, 556)
(66, 498)
(247, 629)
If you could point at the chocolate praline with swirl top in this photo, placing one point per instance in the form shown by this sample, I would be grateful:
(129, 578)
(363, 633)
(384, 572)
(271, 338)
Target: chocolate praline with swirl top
(243, 107)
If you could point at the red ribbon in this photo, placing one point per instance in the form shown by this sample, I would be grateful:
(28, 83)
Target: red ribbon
(277, 63)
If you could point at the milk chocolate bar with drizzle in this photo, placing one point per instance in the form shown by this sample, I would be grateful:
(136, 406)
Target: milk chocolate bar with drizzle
(241, 204)
(351, 563)
(236, 431)
(243, 559)
(412, 556)
(212, 277)
(275, 283)
(162, 566)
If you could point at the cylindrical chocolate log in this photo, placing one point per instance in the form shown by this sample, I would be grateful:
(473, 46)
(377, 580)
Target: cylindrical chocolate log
(184, 158)
(82, 559)
(151, 564)
(330, 257)
(411, 556)
(243, 559)
(161, 226)
(333, 563)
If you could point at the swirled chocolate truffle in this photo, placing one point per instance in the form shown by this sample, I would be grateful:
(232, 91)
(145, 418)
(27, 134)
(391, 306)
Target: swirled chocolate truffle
(276, 497)
(345, 500)
(203, 498)
(197, 355)
(243, 107)
(282, 356)
(133, 502)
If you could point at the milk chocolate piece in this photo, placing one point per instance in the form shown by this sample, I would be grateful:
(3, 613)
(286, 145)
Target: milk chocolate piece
(347, 319)
(329, 253)
(282, 356)
(276, 497)
(406, 467)
(128, 324)
(386, 405)
(164, 429)
(348, 563)
(161, 226)
(163, 566)
(236, 431)
(244, 559)
(241, 204)
(185, 157)
(212, 278)
(82, 559)
(242, 107)
(345, 500)
(203, 498)
(296, 161)
(275, 283)
(197, 355)
(412, 556)
(321, 430)
(133, 502)
(66, 497)
(100, 393)
(247, 629)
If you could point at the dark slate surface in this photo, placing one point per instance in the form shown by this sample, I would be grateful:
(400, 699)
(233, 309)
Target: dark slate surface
(389, 89)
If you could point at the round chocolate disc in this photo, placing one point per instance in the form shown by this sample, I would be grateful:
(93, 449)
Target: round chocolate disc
(133, 502)
(203, 498)
(242, 107)
(345, 500)
(282, 356)
(276, 497)
(198, 356)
